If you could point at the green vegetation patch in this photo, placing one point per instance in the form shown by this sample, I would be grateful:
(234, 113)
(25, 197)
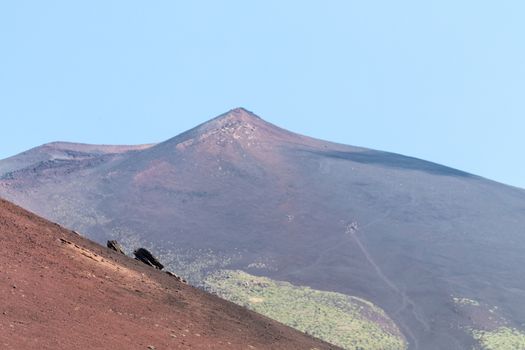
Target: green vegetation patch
(346, 321)
(489, 327)
(503, 338)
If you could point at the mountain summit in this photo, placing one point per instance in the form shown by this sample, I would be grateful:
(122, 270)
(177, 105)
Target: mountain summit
(239, 114)
(436, 248)
(238, 126)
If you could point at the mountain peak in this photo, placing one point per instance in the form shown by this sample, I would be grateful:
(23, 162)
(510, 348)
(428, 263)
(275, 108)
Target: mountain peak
(238, 114)
(237, 126)
(242, 110)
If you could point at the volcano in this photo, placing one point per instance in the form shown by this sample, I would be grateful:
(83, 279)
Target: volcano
(436, 248)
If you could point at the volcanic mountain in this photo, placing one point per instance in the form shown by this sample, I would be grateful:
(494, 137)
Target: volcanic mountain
(61, 291)
(438, 249)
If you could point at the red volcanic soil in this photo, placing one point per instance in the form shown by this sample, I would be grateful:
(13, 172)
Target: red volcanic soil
(61, 291)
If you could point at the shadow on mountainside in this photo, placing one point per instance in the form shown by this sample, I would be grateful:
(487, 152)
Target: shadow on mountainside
(393, 160)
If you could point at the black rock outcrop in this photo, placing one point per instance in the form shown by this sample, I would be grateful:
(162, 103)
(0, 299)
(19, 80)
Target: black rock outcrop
(147, 258)
(114, 245)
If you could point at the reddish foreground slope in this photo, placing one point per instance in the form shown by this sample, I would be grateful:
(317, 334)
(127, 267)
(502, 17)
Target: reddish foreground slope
(61, 291)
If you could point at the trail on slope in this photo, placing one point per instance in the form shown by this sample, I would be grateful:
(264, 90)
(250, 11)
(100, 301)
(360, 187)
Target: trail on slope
(406, 302)
(405, 299)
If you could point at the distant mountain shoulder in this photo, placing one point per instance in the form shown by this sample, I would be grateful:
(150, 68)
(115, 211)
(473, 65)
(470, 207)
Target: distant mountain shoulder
(62, 151)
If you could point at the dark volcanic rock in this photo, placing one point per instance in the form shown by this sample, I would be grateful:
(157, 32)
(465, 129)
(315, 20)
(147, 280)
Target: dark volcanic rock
(144, 255)
(114, 245)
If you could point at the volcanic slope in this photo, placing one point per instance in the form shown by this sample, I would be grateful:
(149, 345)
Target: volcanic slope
(237, 193)
(60, 153)
(61, 291)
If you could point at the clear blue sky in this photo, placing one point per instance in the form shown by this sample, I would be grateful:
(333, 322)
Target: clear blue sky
(439, 80)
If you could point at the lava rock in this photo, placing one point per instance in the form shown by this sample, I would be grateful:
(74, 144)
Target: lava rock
(142, 254)
(114, 245)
